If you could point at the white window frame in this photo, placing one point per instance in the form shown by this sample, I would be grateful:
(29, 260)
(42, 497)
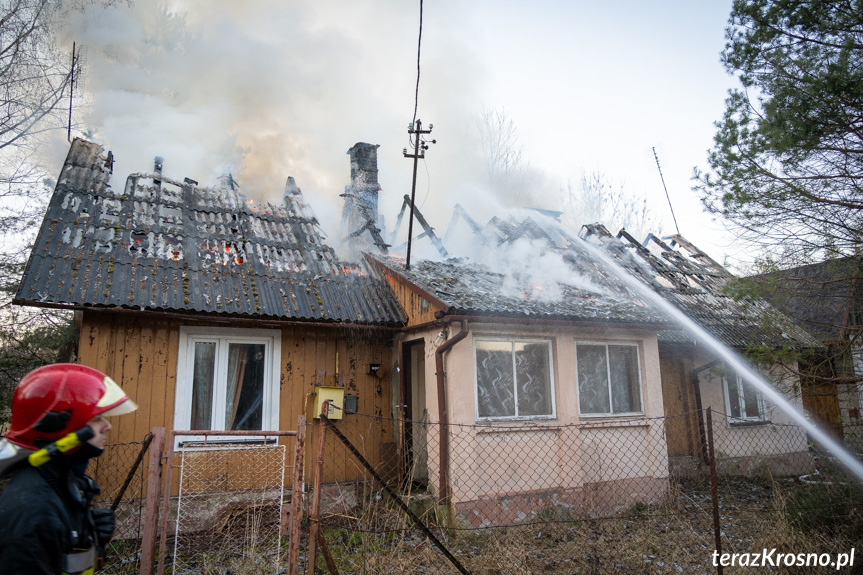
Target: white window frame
(516, 417)
(743, 418)
(611, 413)
(189, 335)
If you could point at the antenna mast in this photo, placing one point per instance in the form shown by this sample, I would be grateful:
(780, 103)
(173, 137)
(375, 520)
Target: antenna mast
(74, 77)
(666, 191)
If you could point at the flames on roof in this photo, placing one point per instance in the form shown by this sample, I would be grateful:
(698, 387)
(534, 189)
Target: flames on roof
(164, 244)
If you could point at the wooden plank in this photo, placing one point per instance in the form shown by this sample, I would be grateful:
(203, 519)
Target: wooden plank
(129, 351)
(147, 355)
(290, 397)
(168, 394)
(309, 346)
(297, 498)
(675, 398)
(159, 382)
(151, 505)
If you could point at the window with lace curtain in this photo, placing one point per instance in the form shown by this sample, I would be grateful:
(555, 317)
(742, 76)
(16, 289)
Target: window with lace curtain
(227, 379)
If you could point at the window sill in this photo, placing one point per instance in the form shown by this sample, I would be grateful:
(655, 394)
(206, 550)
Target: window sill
(743, 423)
(503, 426)
(225, 442)
(602, 421)
(610, 416)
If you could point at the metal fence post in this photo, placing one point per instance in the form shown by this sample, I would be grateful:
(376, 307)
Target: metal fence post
(151, 506)
(714, 490)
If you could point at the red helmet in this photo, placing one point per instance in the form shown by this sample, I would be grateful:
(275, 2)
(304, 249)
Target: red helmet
(53, 401)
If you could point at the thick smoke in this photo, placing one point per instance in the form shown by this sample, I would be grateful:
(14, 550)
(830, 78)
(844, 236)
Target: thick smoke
(272, 89)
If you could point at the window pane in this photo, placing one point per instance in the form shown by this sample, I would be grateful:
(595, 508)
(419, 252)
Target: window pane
(592, 379)
(532, 378)
(625, 391)
(202, 385)
(244, 402)
(750, 400)
(495, 395)
(733, 398)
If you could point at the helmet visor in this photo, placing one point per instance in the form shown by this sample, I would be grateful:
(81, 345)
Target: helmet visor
(115, 401)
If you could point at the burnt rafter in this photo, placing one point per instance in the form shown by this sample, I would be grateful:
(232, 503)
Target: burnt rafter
(428, 230)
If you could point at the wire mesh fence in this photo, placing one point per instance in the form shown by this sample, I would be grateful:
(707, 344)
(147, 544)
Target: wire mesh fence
(228, 511)
(119, 472)
(588, 498)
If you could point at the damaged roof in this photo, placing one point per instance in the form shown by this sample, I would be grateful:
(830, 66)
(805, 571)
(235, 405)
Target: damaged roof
(691, 281)
(695, 284)
(467, 287)
(161, 244)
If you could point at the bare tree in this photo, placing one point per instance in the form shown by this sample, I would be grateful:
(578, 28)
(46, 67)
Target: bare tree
(35, 79)
(502, 153)
(597, 198)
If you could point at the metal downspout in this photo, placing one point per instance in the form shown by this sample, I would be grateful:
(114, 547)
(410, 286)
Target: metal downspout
(443, 480)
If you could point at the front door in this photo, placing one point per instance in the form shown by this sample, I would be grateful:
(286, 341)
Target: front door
(413, 413)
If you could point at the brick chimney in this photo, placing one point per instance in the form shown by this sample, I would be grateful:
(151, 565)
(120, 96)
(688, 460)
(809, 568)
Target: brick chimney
(360, 226)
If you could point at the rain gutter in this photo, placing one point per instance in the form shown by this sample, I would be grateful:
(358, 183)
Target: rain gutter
(442, 409)
(528, 321)
(543, 321)
(204, 317)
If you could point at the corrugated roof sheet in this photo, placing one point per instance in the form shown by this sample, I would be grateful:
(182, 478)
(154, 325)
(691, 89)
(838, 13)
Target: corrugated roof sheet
(819, 296)
(161, 244)
(690, 280)
(694, 283)
(473, 288)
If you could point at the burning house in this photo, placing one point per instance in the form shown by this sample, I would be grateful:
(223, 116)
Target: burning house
(170, 279)
(166, 275)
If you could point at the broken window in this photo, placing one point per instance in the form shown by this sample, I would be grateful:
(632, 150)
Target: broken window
(609, 381)
(227, 380)
(744, 402)
(513, 379)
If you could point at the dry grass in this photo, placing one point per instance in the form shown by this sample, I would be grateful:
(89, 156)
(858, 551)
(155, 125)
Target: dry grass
(677, 537)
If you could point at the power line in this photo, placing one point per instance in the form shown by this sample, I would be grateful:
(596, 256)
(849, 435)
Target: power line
(666, 191)
(419, 46)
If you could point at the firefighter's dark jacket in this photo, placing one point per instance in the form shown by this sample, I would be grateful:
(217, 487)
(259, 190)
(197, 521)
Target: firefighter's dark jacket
(43, 516)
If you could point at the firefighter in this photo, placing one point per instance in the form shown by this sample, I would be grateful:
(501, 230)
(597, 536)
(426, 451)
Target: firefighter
(47, 526)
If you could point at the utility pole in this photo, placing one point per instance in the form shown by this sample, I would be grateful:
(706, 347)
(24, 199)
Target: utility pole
(420, 146)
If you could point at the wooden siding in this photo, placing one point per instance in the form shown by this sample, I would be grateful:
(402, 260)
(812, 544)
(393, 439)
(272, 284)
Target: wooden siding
(678, 398)
(140, 353)
(412, 302)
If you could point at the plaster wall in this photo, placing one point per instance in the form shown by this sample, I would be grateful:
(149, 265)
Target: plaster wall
(777, 435)
(496, 458)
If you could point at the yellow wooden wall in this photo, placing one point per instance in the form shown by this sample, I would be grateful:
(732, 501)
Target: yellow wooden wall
(140, 354)
(412, 302)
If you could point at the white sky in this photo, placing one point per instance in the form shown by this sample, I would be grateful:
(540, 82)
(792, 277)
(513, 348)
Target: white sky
(275, 88)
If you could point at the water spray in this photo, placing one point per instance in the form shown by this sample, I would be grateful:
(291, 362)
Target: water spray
(733, 359)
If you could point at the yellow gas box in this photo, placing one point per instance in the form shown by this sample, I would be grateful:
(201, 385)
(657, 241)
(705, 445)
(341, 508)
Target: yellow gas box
(336, 397)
